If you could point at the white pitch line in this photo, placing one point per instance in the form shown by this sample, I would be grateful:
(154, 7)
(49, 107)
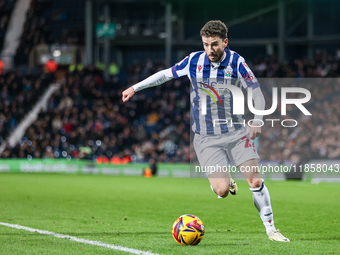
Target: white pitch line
(80, 240)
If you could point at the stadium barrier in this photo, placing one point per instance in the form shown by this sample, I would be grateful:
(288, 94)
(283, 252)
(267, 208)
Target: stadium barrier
(318, 170)
(89, 167)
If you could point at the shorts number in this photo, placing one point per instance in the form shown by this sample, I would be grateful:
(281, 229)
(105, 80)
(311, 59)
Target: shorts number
(249, 143)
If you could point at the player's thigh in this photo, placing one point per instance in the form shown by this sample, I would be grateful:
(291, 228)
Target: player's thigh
(242, 150)
(244, 155)
(211, 155)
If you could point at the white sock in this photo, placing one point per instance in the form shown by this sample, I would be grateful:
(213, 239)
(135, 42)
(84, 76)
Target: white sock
(261, 200)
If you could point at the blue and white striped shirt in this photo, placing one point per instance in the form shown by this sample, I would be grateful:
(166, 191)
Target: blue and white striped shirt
(207, 80)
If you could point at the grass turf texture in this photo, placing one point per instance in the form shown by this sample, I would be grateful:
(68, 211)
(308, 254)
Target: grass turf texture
(138, 213)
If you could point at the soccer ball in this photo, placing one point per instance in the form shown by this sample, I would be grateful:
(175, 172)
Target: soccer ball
(188, 230)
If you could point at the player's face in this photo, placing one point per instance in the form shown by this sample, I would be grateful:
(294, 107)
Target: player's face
(214, 47)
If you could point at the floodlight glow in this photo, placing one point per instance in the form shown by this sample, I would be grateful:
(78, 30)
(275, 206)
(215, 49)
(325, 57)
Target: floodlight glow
(56, 53)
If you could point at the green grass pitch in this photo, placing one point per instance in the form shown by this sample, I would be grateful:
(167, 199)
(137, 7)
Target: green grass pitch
(138, 213)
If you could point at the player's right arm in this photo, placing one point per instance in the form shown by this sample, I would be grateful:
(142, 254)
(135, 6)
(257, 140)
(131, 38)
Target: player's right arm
(154, 80)
(158, 78)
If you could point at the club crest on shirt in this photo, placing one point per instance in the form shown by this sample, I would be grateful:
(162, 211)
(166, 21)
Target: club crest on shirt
(228, 71)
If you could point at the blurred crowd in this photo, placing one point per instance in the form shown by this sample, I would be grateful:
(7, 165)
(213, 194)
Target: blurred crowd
(18, 94)
(316, 136)
(322, 65)
(87, 119)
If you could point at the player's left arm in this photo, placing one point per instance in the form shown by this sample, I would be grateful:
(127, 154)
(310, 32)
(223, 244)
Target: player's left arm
(250, 83)
(178, 70)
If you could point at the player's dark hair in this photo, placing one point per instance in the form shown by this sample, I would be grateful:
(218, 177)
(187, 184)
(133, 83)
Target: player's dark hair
(214, 28)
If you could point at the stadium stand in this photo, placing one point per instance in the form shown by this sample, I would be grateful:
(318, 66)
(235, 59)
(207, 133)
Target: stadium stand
(18, 94)
(86, 118)
(88, 112)
(87, 115)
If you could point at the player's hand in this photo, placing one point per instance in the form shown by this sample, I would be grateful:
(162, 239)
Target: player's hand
(127, 94)
(254, 131)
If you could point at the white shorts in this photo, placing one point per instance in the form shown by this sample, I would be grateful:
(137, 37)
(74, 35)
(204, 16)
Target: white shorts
(215, 150)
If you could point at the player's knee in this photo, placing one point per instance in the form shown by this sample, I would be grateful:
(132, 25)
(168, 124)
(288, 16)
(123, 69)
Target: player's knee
(255, 183)
(222, 191)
